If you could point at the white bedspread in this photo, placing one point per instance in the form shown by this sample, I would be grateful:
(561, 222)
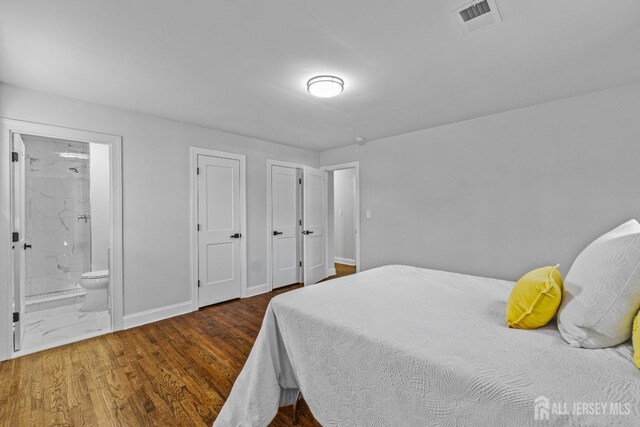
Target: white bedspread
(405, 346)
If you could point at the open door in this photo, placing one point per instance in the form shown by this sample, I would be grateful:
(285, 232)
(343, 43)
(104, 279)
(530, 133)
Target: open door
(19, 245)
(314, 228)
(285, 208)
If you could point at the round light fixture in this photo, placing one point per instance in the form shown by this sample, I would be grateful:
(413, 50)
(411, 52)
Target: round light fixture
(325, 86)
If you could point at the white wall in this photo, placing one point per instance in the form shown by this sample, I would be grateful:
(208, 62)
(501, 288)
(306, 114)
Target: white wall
(99, 202)
(499, 195)
(156, 189)
(344, 224)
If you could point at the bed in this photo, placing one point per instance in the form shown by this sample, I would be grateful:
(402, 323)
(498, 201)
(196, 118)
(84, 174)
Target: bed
(406, 346)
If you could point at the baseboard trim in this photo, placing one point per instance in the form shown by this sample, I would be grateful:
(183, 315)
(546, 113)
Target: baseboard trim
(155, 314)
(257, 290)
(345, 261)
(331, 272)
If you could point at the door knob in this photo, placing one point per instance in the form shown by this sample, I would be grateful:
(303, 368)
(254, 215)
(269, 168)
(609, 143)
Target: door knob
(236, 236)
(26, 246)
(307, 232)
(277, 233)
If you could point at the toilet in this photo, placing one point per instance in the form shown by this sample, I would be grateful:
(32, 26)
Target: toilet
(97, 285)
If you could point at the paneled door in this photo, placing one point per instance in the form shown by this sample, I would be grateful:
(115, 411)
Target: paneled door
(19, 245)
(219, 230)
(313, 226)
(285, 192)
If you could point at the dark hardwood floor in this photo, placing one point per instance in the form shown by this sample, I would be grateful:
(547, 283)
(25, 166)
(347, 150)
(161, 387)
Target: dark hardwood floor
(176, 372)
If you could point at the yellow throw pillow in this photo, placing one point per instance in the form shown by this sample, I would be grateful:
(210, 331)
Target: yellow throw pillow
(635, 338)
(535, 298)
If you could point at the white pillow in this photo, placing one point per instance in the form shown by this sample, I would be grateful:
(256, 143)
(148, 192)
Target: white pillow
(602, 290)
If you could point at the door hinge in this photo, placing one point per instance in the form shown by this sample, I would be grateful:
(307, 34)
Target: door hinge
(299, 180)
(300, 222)
(198, 282)
(198, 227)
(300, 263)
(197, 171)
(15, 237)
(16, 317)
(14, 156)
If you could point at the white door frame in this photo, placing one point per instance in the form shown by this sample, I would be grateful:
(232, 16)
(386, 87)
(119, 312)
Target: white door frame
(195, 152)
(270, 164)
(116, 283)
(356, 208)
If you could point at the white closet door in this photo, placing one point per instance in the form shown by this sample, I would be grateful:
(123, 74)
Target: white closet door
(285, 226)
(20, 246)
(219, 221)
(313, 226)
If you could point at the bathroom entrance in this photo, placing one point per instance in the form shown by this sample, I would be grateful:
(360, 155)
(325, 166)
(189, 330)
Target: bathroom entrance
(61, 238)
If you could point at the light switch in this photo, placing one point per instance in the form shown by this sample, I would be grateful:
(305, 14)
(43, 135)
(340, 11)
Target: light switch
(339, 212)
(369, 214)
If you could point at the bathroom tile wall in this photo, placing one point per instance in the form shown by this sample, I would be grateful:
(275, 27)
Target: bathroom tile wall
(57, 194)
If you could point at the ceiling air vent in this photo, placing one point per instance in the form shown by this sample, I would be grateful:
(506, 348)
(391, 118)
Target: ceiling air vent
(477, 16)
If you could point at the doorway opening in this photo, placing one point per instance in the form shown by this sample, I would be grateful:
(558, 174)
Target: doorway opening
(65, 279)
(61, 197)
(343, 219)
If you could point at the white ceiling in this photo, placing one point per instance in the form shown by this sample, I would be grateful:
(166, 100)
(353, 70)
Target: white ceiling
(241, 66)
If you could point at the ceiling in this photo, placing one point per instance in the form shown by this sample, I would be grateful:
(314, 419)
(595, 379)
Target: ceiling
(241, 66)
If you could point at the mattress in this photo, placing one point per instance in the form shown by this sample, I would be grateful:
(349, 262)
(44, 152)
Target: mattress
(406, 346)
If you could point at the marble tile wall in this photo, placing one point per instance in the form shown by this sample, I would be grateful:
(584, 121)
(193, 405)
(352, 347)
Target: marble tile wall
(57, 194)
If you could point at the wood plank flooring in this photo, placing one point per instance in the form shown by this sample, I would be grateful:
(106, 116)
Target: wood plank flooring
(176, 372)
(344, 270)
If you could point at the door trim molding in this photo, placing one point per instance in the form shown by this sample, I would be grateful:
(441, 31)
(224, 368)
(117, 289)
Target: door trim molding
(270, 164)
(193, 223)
(356, 209)
(9, 126)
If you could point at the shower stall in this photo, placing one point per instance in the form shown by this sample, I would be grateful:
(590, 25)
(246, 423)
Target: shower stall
(57, 219)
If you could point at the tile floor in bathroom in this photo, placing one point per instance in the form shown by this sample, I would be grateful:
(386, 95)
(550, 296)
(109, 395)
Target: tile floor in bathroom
(46, 327)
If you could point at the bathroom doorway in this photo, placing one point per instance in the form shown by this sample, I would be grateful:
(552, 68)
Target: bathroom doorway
(62, 235)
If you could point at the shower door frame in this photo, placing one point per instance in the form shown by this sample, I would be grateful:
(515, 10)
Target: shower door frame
(7, 128)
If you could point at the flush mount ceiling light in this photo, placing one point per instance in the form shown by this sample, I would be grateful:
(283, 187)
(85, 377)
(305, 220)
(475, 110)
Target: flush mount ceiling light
(325, 86)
